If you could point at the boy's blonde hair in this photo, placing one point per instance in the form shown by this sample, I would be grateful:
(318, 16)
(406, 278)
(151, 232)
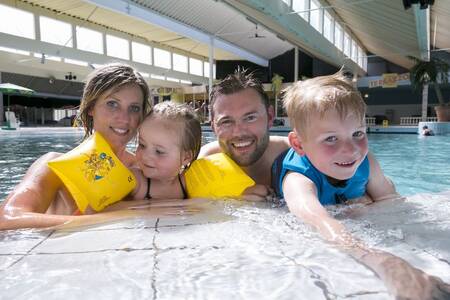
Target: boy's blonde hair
(190, 128)
(320, 94)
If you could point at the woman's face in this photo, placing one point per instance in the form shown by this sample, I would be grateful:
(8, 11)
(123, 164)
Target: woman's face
(116, 115)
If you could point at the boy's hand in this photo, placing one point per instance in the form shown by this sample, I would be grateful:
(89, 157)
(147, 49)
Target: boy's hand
(404, 281)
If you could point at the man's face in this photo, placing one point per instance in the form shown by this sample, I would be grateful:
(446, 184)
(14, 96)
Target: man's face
(241, 123)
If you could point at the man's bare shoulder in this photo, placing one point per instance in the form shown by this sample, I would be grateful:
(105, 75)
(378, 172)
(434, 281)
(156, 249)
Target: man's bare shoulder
(279, 143)
(210, 148)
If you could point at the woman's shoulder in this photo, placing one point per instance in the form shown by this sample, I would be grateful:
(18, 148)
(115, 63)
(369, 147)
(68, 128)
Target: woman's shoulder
(45, 158)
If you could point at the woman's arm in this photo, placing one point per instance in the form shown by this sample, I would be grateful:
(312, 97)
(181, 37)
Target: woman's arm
(30, 199)
(401, 279)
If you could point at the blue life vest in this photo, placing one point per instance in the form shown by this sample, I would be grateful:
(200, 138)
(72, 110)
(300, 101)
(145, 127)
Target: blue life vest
(327, 193)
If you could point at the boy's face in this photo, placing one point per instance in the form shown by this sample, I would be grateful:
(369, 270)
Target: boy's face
(241, 123)
(335, 146)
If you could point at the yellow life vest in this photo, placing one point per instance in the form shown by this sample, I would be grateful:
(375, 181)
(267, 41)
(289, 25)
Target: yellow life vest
(93, 174)
(216, 175)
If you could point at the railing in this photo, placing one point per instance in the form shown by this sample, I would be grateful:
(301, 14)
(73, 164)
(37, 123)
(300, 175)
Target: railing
(412, 121)
(370, 121)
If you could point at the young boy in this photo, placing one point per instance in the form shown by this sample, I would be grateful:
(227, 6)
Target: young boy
(329, 163)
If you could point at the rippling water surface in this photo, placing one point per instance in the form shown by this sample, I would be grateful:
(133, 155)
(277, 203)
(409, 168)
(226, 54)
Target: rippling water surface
(415, 164)
(233, 250)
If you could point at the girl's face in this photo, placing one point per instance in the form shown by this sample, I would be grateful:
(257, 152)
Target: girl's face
(116, 115)
(159, 154)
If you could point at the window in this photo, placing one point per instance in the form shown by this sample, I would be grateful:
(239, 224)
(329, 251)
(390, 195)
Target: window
(354, 51)
(162, 58)
(195, 66)
(56, 32)
(47, 57)
(299, 6)
(328, 26)
(154, 76)
(16, 51)
(186, 82)
(180, 63)
(172, 79)
(9, 24)
(75, 62)
(347, 45)
(117, 47)
(141, 53)
(89, 40)
(338, 36)
(360, 57)
(206, 69)
(314, 15)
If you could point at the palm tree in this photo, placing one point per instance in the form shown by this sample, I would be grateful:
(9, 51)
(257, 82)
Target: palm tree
(434, 72)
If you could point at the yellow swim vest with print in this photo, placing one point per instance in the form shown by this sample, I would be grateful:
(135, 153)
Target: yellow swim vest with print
(216, 175)
(93, 174)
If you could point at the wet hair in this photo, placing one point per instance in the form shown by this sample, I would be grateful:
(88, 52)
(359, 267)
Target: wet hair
(240, 80)
(108, 78)
(319, 95)
(425, 127)
(191, 131)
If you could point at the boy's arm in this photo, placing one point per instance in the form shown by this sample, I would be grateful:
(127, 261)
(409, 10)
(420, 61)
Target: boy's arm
(379, 187)
(401, 279)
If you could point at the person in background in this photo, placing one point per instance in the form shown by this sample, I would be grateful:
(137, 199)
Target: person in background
(426, 131)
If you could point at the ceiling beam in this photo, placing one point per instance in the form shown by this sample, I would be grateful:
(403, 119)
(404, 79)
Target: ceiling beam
(422, 17)
(150, 17)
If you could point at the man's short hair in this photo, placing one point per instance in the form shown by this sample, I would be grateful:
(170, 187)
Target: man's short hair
(320, 94)
(240, 80)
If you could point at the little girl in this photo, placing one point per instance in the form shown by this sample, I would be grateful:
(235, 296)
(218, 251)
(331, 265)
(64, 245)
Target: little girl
(169, 140)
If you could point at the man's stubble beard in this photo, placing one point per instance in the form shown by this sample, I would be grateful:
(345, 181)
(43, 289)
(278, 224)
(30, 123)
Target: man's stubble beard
(254, 157)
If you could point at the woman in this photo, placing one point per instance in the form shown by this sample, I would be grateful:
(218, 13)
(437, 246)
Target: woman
(115, 99)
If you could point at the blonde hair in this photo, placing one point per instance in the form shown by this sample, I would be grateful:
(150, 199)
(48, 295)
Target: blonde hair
(191, 130)
(319, 95)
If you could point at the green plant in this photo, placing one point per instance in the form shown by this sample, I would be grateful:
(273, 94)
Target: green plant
(434, 72)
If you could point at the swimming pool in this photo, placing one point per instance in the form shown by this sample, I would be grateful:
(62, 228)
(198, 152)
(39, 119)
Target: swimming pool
(415, 164)
(233, 250)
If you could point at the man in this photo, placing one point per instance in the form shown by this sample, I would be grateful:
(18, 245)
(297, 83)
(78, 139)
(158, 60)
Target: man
(240, 118)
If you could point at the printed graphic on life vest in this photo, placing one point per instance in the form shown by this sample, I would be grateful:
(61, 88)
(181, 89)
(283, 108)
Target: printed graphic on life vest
(97, 166)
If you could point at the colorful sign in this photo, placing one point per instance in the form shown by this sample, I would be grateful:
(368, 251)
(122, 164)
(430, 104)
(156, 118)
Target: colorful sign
(388, 80)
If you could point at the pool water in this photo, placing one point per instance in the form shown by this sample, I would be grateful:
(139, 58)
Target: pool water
(230, 249)
(415, 164)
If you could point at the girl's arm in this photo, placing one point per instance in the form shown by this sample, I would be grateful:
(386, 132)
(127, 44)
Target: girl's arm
(400, 278)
